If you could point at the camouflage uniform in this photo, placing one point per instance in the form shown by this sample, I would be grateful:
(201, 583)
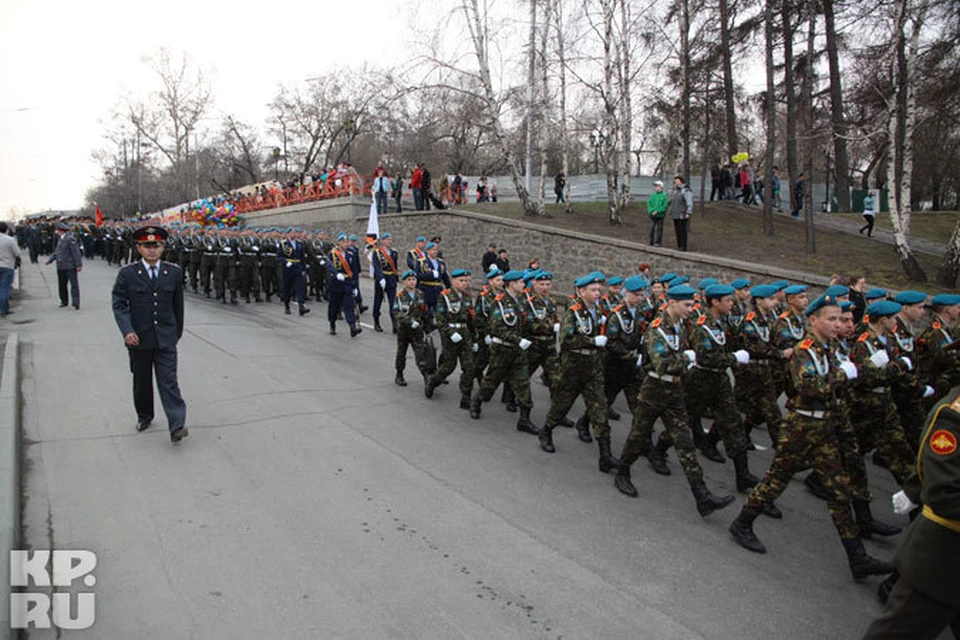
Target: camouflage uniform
(908, 390)
(249, 270)
(787, 331)
(454, 315)
(409, 309)
(225, 270)
(938, 368)
(269, 266)
(481, 325)
(623, 370)
(192, 251)
(508, 362)
(208, 260)
(755, 390)
(541, 316)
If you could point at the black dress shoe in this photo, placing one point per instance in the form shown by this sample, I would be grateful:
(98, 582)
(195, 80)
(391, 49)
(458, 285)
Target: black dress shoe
(142, 424)
(63, 304)
(179, 434)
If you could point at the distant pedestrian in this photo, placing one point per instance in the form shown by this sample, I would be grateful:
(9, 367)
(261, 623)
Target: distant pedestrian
(381, 187)
(798, 195)
(716, 183)
(559, 187)
(681, 207)
(9, 261)
(657, 210)
(869, 205)
(148, 308)
(69, 264)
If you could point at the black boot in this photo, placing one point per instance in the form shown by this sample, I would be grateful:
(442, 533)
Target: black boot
(565, 422)
(303, 309)
(607, 462)
(709, 448)
(658, 458)
(707, 503)
(246, 299)
(399, 380)
(546, 439)
(583, 429)
(883, 591)
(816, 487)
(465, 401)
(475, 404)
(612, 413)
(233, 297)
(771, 511)
(429, 388)
(622, 481)
(862, 565)
(742, 531)
(377, 327)
(524, 424)
(696, 430)
(333, 328)
(869, 526)
(394, 321)
(355, 329)
(509, 399)
(745, 479)
(286, 308)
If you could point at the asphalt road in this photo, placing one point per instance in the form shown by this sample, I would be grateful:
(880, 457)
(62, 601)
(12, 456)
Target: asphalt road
(316, 499)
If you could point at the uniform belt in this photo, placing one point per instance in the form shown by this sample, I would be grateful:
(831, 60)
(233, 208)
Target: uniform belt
(496, 340)
(583, 352)
(665, 377)
(760, 361)
(819, 415)
(431, 283)
(879, 390)
(456, 325)
(711, 369)
(550, 337)
(293, 260)
(210, 253)
(929, 514)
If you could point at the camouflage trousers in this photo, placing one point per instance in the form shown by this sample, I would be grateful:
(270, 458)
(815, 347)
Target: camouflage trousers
(912, 415)
(407, 337)
(712, 390)
(877, 425)
(756, 395)
(207, 263)
(808, 443)
(225, 277)
(662, 399)
(192, 268)
(249, 275)
(543, 353)
(623, 374)
(450, 355)
(481, 358)
(508, 365)
(579, 374)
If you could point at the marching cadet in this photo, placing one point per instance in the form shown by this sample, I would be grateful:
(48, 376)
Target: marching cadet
(455, 322)
(192, 252)
(613, 296)
(225, 267)
(340, 288)
(926, 598)
(432, 277)
(755, 390)
(208, 259)
(908, 392)
(581, 369)
(410, 312)
(873, 411)
(741, 302)
(508, 361)
(810, 439)
(780, 295)
(938, 367)
(661, 396)
(482, 309)
(542, 326)
(316, 265)
(249, 268)
(353, 255)
(293, 254)
(270, 263)
(788, 329)
(385, 276)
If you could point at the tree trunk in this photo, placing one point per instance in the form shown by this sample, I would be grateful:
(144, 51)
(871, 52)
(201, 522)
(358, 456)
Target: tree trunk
(808, 142)
(561, 63)
(947, 274)
(728, 94)
(791, 98)
(842, 178)
(542, 119)
(685, 83)
(771, 117)
(610, 129)
(626, 103)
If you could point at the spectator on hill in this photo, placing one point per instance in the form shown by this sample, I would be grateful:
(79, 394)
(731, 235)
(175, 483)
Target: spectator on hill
(489, 258)
(869, 204)
(798, 195)
(559, 187)
(775, 180)
(503, 262)
(746, 194)
(416, 182)
(493, 191)
(657, 210)
(381, 187)
(681, 207)
(716, 183)
(482, 189)
(457, 185)
(397, 191)
(426, 186)
(726, 182)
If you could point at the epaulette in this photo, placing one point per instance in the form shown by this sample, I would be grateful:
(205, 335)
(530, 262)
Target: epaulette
(445, 292)
(750, 316)
(701, 320)
(656, 323)
(530, 298)
(576, 306)
(662, 307)
(618, 308)
(936, 325)
(696, 307)
(784, 315)
(863, 336)
(499, 297)
(806, 344)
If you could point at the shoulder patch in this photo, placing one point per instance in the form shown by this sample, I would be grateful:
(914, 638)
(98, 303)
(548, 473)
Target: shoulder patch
(936, 325)
(701, 320)
(863, 336)
(943, 442)
(445, 292)
(806, 344)
(750, 316)
(784, 315)
(656, 323)
(499, 297)
(576, 307)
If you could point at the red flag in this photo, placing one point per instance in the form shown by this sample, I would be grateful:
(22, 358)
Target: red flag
(99, 217)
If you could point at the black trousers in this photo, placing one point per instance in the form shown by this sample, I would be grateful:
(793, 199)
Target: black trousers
(63, 277)
(379, 294)
(913, 615)
(143, 364)
(293, 283)
(680, 228)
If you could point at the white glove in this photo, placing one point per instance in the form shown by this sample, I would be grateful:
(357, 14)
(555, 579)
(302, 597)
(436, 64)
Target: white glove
(600, 341)
(341, 277)
(691, 356)
(556, 327)
(742, 356)
(289, 264)
(928, 391)
(525, 344)
(488, 340)
(880, 358)
(436, 274)
(323, 263)
(902, 504)
(356, 292)
(603, 320)
(640, 361)
(476, 347)
(414, 324)
(849, 369)
(383, 283)
(455, 338)
(907, 361)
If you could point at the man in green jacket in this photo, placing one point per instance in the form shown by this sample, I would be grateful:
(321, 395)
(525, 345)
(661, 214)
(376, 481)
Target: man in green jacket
(657, 210)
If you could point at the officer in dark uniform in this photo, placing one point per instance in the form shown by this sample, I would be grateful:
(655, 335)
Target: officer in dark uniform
(385, 277)
(148, 308)
(292, 257)
(340, 288)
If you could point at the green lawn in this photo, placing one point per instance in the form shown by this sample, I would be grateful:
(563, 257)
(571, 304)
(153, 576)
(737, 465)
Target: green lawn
(929, 225)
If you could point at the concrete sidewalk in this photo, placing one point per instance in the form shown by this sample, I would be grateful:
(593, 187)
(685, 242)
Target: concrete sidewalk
(316, 499)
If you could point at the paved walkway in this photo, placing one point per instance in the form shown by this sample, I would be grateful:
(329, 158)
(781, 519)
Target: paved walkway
(316, 499)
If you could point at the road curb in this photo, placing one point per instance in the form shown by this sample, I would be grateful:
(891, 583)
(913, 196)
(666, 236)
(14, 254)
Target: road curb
(9, 472)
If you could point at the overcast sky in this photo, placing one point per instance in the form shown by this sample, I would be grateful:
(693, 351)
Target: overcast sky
(63, 65)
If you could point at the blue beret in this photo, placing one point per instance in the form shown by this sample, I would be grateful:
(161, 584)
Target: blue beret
(420, 239)
(945, 300)
(825, 300)
(706, 282)
(635, 283)
(511, 276)
(543, 275)
(588, 279)
(875, 294)
(679, 280)
(341, 236)
(667, 277)
(883, 308)
(494, 272)
(763, 291)
(794, 289)
(681, 292)
(910, 297)
(614, 281)
(353, 236)
(780, 284)
(430, 245)
(837, 290)
(385, 236)
(530, 274)
(718, 291)
(408, 274)
(740, 283)
(459, 273)
(846, 305)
